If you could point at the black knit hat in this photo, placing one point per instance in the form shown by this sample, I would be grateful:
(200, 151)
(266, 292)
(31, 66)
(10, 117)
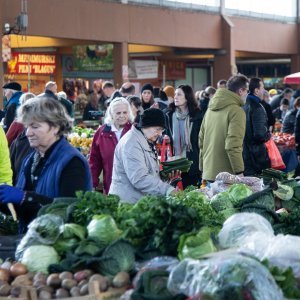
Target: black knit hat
(13, 86)
(152, 117)
(148, 87)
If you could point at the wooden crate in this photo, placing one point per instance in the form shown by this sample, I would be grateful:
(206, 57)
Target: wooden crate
(94, 293)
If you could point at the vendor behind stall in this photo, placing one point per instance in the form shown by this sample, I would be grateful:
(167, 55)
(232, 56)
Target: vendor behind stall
(54, 169)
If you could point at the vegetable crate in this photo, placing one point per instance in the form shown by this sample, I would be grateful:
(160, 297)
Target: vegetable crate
(94, 293)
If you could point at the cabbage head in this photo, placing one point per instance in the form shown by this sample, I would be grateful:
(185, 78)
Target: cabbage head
(195, 245)
(103, 228)
(39, 257)
(238, 192)
(221, 201)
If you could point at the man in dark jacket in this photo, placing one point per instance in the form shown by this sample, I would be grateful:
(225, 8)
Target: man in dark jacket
(12, 92)
(50, 90)
(255, 154)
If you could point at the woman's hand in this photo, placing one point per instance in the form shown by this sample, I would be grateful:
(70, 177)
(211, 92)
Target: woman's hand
(174, 177)
(10, 194)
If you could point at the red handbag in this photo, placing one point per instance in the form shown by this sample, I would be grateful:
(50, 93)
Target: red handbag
(274, 155)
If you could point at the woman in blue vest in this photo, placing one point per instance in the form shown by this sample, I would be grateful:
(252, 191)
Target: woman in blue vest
(54, 169)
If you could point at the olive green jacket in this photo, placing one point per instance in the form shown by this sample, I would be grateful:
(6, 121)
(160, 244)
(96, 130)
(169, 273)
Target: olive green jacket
(221, 135)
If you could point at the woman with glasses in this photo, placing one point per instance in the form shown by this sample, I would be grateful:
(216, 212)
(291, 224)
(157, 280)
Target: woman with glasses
(136, 165)
(117, 122)
(183, 126)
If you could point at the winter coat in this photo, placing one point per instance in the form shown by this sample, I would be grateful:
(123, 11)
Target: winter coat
(270, 117)
(255, 154)
(10, 110)
(136, 169)
(5, 166)
(221, 135)
(192, 155)
(102, 154)
(288, 125)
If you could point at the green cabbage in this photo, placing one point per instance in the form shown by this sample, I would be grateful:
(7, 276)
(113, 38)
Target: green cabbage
(194, 246)
(62, 246)
(284, 192)
(238, 192)
(117, 257)
(37, 258)
(221, 201)
(72, 230)
(103, 228)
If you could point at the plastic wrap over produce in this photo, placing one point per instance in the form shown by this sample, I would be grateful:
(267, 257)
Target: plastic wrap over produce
(224, 275)
(43, 230)
(284, 252)
(238, 228)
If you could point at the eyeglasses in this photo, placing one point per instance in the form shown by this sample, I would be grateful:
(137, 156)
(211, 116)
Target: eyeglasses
(159, 129)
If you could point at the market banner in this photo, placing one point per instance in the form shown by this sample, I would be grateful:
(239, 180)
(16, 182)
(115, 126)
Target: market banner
(33, 63)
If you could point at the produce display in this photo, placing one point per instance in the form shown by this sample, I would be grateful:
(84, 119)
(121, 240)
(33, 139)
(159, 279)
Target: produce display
(199, 243)
(81, 138)
(284, 140)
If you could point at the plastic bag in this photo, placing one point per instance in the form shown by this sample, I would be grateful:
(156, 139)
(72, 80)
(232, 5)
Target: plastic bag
(224, 275)
(284, 252)
(274, 155)
(43, 230)
(219, 186)
(237, 229)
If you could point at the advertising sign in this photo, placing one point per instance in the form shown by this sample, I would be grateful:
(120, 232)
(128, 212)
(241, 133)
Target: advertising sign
(143, 69)
(33, 63)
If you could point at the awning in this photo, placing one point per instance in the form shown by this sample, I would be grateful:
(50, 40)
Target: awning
(292, 78)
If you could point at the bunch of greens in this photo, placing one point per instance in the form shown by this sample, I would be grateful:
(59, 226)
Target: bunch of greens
(154, 224)
(93, 203)
(289, 223)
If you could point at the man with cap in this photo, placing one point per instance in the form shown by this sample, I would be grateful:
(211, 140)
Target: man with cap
(136, 165)
(12, 92)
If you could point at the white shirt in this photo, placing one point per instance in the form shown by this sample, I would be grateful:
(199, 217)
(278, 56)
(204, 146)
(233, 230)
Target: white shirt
(118, 132)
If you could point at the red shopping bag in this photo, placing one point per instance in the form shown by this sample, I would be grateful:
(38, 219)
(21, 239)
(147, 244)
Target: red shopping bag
(164, 151)
(274, 155)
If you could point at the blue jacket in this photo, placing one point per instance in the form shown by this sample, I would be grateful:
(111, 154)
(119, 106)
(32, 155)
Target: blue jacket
(49, 181)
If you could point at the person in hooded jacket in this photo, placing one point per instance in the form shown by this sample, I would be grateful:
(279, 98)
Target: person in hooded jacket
(12, 92)
(183, 126)
(223, 129)
(255, 153)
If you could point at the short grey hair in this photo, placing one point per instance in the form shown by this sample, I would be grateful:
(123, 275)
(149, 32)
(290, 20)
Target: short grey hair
(117, 101)
(26, 96)
(45, 109)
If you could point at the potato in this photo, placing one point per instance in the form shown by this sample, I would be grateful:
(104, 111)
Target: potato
(122, 279)
(39, 283)
(82, 282)
(84, 290)
(45, 295)
(40, 276)
(81, 275)
(68, 283)
(75, 291)
(53, 280)
(5, 290)
(61, 293)
(66, 275)
(45, 288)
(102, 281)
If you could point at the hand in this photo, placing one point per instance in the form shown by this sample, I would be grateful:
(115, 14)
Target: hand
(174, 174)
(10, 194)
(155, 105)
(167, 138)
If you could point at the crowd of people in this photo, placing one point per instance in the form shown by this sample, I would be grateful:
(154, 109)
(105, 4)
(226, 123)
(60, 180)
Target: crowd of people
(222, 129)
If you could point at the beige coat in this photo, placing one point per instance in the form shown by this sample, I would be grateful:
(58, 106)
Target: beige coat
(135, 169)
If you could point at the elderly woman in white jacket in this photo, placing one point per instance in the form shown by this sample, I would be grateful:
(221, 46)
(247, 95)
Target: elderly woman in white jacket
(136, 165)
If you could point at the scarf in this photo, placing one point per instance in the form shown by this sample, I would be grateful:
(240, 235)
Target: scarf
(181, 133)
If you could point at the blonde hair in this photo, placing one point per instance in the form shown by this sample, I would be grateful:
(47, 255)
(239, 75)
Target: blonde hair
(45, 109)
(26, 96)
(117, 101)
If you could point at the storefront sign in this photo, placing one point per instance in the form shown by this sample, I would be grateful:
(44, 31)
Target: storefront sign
(33, 63)
(143, 69)
(174, 70)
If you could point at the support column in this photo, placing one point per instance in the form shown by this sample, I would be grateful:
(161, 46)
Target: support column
(120, 58)
(295, 63)
(224, 64)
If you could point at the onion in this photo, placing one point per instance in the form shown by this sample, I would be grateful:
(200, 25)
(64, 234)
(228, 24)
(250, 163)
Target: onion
(18, 269)
(4, 275)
